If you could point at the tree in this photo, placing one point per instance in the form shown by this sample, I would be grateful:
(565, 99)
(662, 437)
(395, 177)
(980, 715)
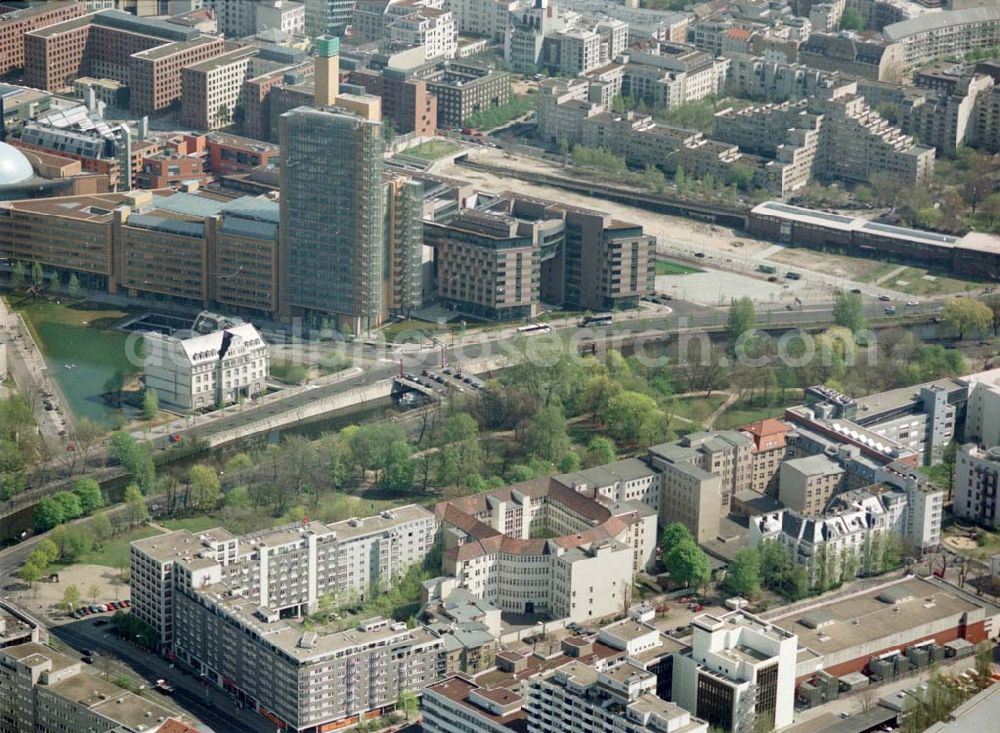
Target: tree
(88, 491)
(114, 385)
(19, 276)
(674, 534)
(70, 504)
(100, 528)
(86, 434)
(30, 573)
(48, 550)
(546, 437)
(688, 565)
(37, 274)
(399, 469)
(743, 575)
(48, 514)
(849, 312)
(984, 660)
(71, 597)
(966, 315)
(150, 404)
(569, 463)
(653, 179)
(408, 703)
(564, 148)
(742, 320)
(680, 180)
(204, 489)
(94, 591)
(73, 286)
(600, 451)
(72, 541)
(634, 417)
(138, 512)
(851, 20)
(135, 458)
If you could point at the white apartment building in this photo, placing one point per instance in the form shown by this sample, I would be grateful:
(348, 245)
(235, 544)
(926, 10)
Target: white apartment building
(739, 674)
(213, 89)
(982, 416)
(542, 547)
(286, 568)
(235, 18)
(977, 478)
(487, 18)
(577, 698)
(284, 15)
(432, 28)
(215, 368)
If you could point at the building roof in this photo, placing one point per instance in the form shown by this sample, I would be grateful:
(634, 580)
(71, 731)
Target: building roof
(818, 465)
(768, 434)
(861, 619)
(930, 22)
(459, 689)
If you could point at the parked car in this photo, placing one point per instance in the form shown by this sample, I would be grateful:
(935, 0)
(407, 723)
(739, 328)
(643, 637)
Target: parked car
(884, 298)
(97, 608)
(126, 603)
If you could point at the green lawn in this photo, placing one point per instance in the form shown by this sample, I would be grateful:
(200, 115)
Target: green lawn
(669, 267)
(193, 525)
(878, 269)
(115, 554)
(912, 280)
(735, 418)
(432, 149)
(86, 342)
(695, 409)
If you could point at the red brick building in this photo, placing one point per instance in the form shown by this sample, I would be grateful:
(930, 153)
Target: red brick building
(155, 74)
(228, 154)
(15, 23)
(406, 102)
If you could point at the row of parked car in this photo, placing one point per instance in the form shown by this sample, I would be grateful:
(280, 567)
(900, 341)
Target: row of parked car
(100, 608)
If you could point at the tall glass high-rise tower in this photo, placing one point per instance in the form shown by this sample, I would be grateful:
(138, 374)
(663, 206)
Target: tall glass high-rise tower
(332, 247)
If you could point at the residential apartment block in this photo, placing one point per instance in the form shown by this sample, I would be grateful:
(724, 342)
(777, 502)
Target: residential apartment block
(44, 690)
(977, 483)
(577, 698)
(539, 547)
(931, 36)
(218, 368)
(285, 569)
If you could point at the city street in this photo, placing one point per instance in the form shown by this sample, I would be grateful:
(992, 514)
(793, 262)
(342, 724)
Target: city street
(208, 704)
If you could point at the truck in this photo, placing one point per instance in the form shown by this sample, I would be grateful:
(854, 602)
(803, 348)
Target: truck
(768, 269)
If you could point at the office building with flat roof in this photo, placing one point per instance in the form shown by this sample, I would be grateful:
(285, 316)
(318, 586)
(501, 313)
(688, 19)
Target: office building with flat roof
(333, 236)
(577, 698)
(739, 673)
(16, 23)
